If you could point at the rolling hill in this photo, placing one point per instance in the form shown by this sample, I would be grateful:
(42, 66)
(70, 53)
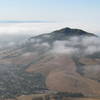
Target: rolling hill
(58, 65)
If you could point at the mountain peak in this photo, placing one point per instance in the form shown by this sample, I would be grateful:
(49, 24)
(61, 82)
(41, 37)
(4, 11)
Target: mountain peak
(63, 30)
(73, 32)
(63, 34)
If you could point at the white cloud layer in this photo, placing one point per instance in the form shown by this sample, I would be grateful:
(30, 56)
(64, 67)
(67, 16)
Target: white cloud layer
(35, 28)
(28, 28)
(77, 46)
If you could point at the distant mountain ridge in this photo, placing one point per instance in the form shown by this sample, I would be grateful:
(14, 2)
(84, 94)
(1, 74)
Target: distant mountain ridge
(24, 21)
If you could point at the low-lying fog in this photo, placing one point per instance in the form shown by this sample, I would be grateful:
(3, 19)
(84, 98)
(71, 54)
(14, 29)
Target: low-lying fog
(12, 33)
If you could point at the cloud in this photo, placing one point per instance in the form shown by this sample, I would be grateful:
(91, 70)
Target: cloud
(28, 28)
(77, 46)
(45, 45)
(62, 47)
(91, 44)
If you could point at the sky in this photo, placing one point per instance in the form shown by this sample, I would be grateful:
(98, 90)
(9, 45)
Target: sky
(70, 13)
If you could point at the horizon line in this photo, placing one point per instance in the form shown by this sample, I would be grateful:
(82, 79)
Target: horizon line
(25, 21)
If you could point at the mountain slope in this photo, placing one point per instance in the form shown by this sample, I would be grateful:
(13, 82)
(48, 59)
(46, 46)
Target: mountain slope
(62, 61)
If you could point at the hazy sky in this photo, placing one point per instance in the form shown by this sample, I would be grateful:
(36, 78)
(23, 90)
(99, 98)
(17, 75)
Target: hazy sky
(75, 13)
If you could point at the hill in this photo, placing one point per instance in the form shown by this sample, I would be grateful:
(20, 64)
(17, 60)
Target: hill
(64, 63)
